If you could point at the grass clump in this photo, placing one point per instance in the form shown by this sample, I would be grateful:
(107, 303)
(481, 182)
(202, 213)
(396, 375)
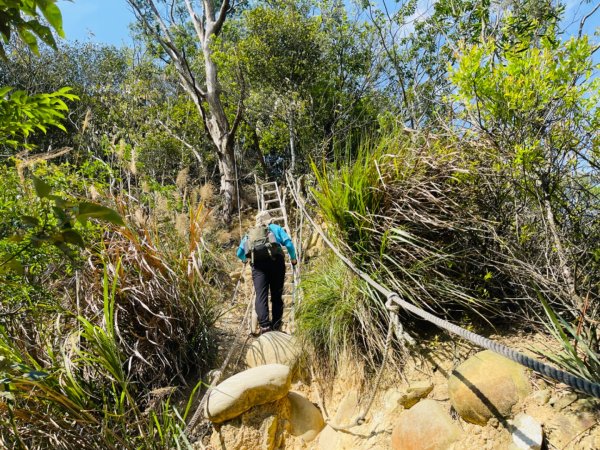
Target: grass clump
(406, 213)
(339, 315)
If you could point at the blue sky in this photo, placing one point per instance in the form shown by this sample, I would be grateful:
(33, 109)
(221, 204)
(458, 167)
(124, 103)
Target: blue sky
(107, 21)
(102, 21)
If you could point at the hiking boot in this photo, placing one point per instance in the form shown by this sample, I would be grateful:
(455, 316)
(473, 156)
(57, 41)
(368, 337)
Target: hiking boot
(264, 330)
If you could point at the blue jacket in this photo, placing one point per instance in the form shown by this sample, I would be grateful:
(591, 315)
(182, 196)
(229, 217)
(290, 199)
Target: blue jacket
(280, 235)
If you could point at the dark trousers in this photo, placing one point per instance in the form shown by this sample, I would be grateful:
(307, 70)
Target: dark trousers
(269, 274)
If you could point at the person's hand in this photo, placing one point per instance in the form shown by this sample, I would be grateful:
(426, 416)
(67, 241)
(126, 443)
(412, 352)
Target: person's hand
(294, 262)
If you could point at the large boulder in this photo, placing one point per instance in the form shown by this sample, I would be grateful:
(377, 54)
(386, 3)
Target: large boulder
(426, 426)
(487, 386)
(246, 389)
(306, 419)
(273, 348)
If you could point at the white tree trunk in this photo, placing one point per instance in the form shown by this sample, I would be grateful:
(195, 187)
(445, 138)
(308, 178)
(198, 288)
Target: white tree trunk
(207, 25)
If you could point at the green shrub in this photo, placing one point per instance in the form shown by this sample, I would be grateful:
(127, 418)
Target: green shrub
(339, 315)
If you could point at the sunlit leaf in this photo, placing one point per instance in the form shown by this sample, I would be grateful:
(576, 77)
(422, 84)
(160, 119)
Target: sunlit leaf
(93, 210)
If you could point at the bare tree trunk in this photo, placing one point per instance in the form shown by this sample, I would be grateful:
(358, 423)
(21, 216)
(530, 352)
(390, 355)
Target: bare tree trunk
(207, 24)
(292, 141)
(228, 188)
(259, 154)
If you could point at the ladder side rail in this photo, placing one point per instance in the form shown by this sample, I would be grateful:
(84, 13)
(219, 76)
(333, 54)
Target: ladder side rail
(258, 199)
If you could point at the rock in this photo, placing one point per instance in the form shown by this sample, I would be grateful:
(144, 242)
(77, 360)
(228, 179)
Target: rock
(564, 429)
(425, 426)
(273, 348)
(306, 419)
(347, 411)
(415, 392)
(487, 385)
(527, 433)
(246, 389)
(586, 404)
(542, 397)
(262, 427)
(565, 401)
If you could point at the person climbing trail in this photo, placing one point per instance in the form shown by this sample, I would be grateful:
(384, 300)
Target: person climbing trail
(262, 247)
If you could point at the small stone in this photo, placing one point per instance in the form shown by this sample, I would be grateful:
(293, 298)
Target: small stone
(494, 422)
(415, 392)
(527, 433)
(565, 401)
(542, 397)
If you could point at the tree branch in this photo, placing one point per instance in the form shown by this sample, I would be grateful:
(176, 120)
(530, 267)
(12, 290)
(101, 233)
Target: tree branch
(197, 21)
(222, 15)
(183, 141)
(582, 23)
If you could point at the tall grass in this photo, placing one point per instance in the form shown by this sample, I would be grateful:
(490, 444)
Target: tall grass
(86, 398)
(105, 355)
(580, 344)
(404, 213)
(441, 222)
(339, 315)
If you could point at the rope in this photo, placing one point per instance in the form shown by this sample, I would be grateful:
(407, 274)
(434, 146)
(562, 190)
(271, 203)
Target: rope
(217, 374)
(567, 378)
(360, 419)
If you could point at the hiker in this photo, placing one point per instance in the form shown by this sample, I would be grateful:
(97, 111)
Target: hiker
(262, 246)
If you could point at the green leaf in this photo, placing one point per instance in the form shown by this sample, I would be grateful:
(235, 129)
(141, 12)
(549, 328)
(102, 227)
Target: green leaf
(42, 188)
(53, 16)
(15, 266)
(5, 90)
(73, 237)
(29, 39)
(30, 221)
(93, 210)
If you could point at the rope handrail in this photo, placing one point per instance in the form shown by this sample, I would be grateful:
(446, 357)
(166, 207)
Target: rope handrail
(567, 378)
(217, 374)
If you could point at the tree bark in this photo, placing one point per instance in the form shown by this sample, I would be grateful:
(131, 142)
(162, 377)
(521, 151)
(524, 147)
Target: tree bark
(207, 25)
(259, 153)
(292, 141)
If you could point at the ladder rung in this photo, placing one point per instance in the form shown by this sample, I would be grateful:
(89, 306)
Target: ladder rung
(278, 218)
(270, 192)
(270, 183)
(273, 200)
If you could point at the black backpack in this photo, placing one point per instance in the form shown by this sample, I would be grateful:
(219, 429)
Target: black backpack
(261, 244)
